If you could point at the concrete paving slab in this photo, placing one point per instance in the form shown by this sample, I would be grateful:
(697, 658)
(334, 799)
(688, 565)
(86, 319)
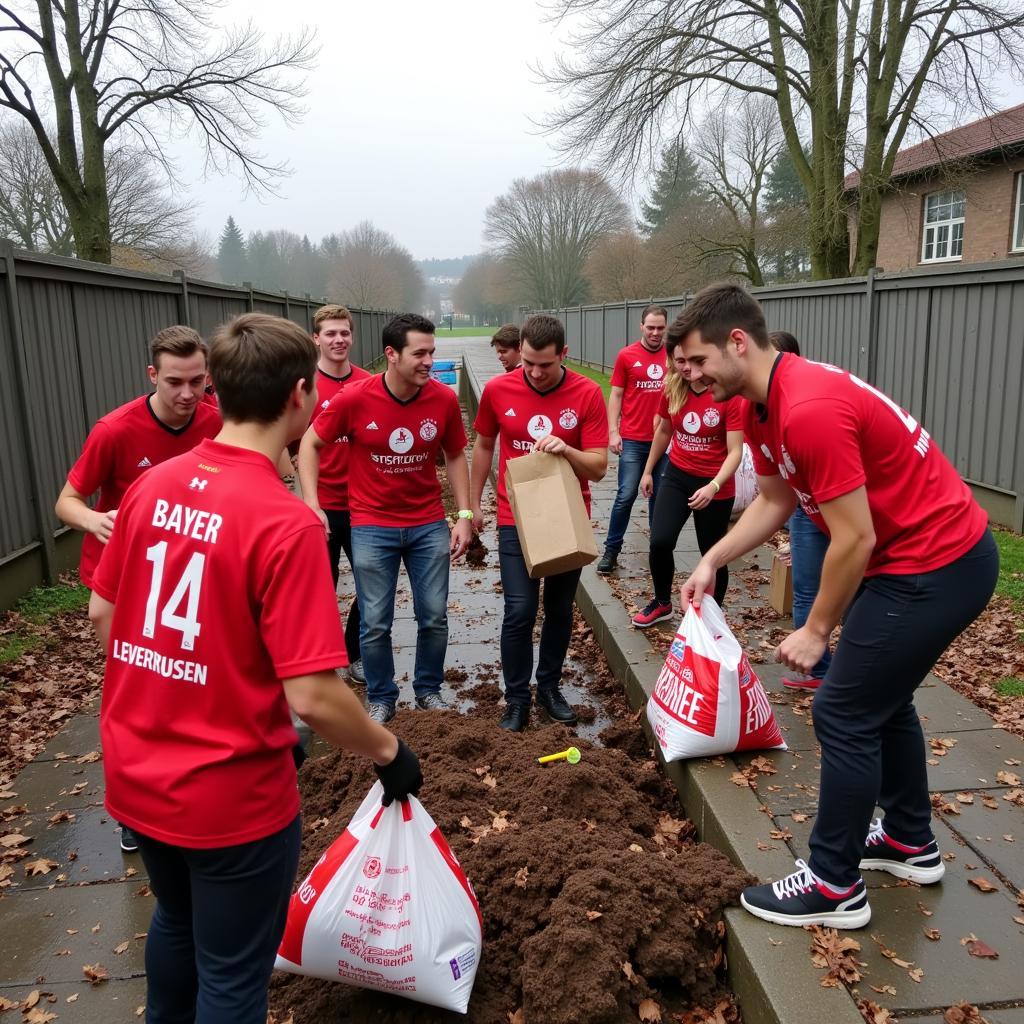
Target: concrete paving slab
(975, 759)
(37, 925)
(80, 736)
(59, 784)
(999, 1015)
(986, 830)
(113, 1002)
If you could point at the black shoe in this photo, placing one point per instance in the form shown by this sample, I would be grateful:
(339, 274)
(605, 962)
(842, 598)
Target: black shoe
(516, 717)
(556, 706)
(128, 841)
(607, 563)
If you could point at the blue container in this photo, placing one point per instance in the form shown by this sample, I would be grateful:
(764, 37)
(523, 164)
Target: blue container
(444, 376)
(444, 364)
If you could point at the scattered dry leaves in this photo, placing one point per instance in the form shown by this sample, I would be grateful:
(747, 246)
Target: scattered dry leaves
(95, 974)
(835, 953)
(963, 1013)
(873, 1013)
(649, 1011)
(983, 884)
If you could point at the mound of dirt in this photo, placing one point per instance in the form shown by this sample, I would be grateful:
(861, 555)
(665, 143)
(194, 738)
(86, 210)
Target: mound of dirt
(593, 895)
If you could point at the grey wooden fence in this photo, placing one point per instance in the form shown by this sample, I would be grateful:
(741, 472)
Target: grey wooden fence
(74, 340)
(946, 343)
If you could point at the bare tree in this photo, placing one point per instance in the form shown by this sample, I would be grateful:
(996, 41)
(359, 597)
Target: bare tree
(858, 72)
(545, 229)
(114, 70)
(486, 290)
(143, 218)
(371, 270)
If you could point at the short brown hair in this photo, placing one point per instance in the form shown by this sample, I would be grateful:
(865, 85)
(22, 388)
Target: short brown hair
(715, 311)
(255, 361)
(506, 336)
(330, 312)
(784, 342)
(541, 330)
(654, 310)
(178, 340)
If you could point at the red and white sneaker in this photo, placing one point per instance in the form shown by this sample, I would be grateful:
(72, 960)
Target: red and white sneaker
(806, 683)
(656, 611)
(921, 864)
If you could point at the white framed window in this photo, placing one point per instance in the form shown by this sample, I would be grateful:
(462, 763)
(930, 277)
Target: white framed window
(943, 235)
(1017, 242)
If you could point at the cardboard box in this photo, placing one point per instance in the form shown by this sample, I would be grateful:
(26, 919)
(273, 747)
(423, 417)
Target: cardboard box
(780, 586)
(551, 519)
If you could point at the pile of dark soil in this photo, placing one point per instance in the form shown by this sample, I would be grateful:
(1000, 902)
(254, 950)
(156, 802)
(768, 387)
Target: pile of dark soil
(594, 897)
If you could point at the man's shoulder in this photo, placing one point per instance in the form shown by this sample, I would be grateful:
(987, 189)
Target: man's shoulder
(583, 386)
(358, 373)
(125, 415)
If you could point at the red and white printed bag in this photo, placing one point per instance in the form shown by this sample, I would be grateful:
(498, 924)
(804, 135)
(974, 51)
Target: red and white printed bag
(388, 907)
(707, 699)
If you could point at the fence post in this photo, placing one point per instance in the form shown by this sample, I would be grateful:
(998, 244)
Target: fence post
(40, 499)
(287, 306)
(248, 286)
(184, 314)
(871, 328)
(309, 318)
(604, 335)
(583, 336)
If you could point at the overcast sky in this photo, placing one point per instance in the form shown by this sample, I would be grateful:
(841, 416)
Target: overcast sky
(419, 115)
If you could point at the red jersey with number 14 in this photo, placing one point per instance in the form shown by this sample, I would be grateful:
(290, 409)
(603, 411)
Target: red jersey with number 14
(826, 432)
(519, 416)
(221, 589)
(332, 486)
(641, 375)
(393, 448)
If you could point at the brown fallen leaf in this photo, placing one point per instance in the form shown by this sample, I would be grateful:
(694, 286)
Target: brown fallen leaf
(1008, 778)
(780, 833)
(121, 947)
(889, 990)
(515, 1017)
(916, 975)
(92, 756)
(521, 877)
(798, 817)
(924, 910)
(963, 1013)
(96, 974)
(983, 884)
(627, 970)
(650, 1011)
(965, 798)
(38, 1015)
(96, 927)
(635, 848)
(73, 998)
(873, 1013)
(932, 933)
(42, 866)
(982, 950)
(593, 915)
(13, 839)
(831, 951)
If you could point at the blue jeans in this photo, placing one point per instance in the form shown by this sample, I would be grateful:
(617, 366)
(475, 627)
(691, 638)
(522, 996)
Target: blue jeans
(631, 468)
(522, 598)
(220, 914)
(377, 552)
(808, 546)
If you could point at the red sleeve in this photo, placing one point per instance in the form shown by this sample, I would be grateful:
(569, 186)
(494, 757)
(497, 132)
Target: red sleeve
(333, 421)
(454, 439)
(594, 429)
(96, 463)
(734, 413)
(762, 466)
(663, 405)
(823, 440)
(619, 377)
(486, 421)
(301, 631)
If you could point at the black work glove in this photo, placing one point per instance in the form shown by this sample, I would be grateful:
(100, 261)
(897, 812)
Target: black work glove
(402, 777)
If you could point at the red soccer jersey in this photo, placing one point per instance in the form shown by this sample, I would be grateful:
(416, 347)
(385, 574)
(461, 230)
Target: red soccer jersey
(827, 433)
(332, 488)
(221, 589)
(641, 374)
(393, 449)
(698, 435)
(122, 446)
(519, 416)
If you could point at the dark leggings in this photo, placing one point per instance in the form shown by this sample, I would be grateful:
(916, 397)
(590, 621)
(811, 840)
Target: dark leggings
(670, 514)
(872, 746)
(338, 540)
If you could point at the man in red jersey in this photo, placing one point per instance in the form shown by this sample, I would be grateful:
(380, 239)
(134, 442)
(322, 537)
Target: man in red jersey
(128, 442)
(213, 602)
(332, 334)
(637, 380)
(910, 564)
(396, 423)
(545, 407)
(505, 343)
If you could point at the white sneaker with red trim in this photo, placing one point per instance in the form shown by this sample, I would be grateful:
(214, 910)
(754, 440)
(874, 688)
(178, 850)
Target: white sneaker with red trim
(802, 898)
(921, 864)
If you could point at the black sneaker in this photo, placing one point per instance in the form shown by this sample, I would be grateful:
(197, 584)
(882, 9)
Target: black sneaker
(801, 898)
(381, 713)
(607, 564)
(555, 705)
(128, 841)
(921, 864)
(516, 717)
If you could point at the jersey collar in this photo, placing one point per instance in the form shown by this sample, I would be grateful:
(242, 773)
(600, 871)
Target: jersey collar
(173, 431)
(762, 410)
(550, 391)
(395, 398)
(338, 380)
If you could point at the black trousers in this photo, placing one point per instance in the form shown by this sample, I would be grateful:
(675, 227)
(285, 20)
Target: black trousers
(872, 744)
(340, 539)
(670, 515)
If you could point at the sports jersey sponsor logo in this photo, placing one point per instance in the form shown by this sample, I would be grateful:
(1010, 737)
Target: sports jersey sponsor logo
(401, 440)
(655, 371)
(539, 426)
(568, 419)
(637, 363)
(787, 461)
(711, 417)
(372, 426)
(428, 430)
(691, 423)
(510, 412)
(207, 469)
(197, 484)
(144, 463)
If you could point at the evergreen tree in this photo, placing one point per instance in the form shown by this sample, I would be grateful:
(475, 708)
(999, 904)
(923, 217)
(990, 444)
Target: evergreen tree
(783, 188)
(231, 256)
(677, 182)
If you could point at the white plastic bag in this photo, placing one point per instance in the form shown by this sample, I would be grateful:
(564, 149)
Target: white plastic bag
(707, 699)
(746, 481)
(388, 907)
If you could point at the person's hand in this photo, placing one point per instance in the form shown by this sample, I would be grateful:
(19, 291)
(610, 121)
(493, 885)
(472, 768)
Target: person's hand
(401, 777)
(322, 516)
(478, 519)
(462, 535)
(551, 444)
(647, 485)
(802, 650)
(615, 442)
(102, 525)
(702, 497)
(701, 580)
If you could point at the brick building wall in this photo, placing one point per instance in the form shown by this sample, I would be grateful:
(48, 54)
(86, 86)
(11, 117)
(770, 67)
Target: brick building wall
(988, 217)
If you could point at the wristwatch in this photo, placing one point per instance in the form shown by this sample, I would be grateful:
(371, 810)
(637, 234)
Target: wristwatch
(465, 513)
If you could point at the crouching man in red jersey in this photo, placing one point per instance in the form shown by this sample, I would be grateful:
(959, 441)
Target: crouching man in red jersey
(216, 611)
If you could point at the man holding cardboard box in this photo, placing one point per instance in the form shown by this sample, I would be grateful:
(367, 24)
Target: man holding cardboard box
(544, 408)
